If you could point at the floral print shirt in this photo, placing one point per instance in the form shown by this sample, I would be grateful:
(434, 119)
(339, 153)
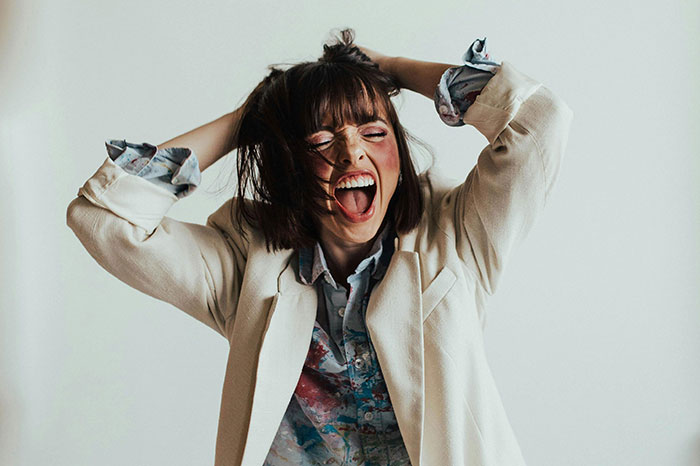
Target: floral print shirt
(340, 412)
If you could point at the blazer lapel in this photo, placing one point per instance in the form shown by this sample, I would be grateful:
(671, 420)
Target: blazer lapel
(394, 321)
(284, 348)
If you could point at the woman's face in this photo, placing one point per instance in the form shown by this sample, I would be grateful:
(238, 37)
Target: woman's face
(364, 181)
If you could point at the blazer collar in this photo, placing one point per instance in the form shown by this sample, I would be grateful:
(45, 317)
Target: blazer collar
(285, 344)
(394, 321)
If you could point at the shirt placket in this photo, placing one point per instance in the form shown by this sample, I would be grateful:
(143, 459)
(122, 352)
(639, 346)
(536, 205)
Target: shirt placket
(362, 372)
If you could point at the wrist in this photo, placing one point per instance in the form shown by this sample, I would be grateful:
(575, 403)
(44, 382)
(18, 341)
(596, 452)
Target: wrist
(389, 66)
(416, 75)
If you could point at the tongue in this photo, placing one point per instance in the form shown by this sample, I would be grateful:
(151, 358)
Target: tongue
(355, 200)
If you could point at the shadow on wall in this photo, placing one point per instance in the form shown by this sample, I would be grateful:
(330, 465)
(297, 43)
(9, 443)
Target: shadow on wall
(9, 406)
(694, 459)
(4, 25)
(7, 29)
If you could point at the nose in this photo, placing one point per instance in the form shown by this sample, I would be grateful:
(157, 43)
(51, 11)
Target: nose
(352, 151)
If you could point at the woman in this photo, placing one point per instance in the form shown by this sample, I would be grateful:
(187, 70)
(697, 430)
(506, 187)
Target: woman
(350, 288)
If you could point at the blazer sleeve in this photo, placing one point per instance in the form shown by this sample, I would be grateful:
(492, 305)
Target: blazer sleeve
(492, 211)
(120, 219)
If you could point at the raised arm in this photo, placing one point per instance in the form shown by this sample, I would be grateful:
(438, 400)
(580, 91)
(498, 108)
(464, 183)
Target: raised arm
(119, 217)
(527, 128)
(210, 141)
(419, 76)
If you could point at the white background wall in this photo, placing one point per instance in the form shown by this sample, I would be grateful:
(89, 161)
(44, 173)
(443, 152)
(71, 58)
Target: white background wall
(594, 337)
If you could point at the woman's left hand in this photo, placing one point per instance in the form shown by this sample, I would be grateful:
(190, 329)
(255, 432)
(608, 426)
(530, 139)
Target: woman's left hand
(380, 59)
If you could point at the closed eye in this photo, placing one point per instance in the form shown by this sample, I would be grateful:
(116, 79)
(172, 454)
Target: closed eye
(321, 144)
(318, 145)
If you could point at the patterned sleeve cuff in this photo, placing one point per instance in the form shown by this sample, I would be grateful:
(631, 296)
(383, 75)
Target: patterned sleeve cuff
(175, 169)
(459, 86)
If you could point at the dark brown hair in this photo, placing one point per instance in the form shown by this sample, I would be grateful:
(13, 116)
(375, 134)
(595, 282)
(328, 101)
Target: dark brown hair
(275, 162)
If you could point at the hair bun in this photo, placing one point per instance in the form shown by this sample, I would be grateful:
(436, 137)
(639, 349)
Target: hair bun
(341, 48)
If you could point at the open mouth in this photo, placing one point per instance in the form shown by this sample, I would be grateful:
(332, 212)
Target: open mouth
(355, 195)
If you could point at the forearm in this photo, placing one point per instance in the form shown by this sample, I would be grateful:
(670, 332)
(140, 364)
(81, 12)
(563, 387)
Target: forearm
(210, 141)
(419, 76)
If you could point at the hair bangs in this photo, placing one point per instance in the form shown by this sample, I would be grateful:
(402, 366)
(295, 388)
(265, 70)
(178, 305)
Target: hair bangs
(340, 95)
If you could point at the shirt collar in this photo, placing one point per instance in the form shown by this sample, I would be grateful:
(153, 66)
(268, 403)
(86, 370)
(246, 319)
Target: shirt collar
(312, 261)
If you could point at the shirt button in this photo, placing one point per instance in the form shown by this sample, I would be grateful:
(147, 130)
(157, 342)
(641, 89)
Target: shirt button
(369, 416)
(341, 311)
(358, 363)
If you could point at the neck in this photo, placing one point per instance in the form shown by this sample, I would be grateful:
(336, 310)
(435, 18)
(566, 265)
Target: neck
(343, 258)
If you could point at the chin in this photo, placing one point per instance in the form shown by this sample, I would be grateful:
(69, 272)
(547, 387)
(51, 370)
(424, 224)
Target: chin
(360, 234)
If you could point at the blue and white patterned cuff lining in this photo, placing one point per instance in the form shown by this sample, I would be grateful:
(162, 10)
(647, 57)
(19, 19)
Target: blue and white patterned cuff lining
(175, 169)
(459, 86)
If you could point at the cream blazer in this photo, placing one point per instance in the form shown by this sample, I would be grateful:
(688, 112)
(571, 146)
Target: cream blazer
(424, 318)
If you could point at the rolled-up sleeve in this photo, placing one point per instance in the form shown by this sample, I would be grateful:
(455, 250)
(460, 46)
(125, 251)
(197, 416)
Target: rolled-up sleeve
(460, 85)
(492, 211)
(175, 169)
(119, 217)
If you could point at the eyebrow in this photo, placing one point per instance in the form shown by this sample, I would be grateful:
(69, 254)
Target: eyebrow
(363, 121)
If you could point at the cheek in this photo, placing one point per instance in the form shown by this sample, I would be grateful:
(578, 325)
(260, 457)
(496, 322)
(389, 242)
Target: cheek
(321, 169)
(318, 166)
(389, 162)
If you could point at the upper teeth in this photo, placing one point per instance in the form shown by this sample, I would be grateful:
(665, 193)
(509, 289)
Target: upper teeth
(355, 182)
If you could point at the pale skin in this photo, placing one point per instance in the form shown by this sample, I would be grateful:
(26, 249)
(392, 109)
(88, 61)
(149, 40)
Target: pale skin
(355, 147)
